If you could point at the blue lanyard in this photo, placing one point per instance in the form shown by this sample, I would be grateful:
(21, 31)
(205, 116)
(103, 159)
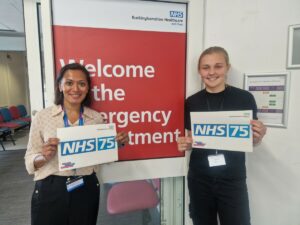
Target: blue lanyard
(66, 120)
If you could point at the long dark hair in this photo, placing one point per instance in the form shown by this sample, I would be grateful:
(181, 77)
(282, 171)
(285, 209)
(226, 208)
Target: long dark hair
(59, 96)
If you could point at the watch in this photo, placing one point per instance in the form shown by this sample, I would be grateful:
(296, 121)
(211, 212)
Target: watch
(40, 157)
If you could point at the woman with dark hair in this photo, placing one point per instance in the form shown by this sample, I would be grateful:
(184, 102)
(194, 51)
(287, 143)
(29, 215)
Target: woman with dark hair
(218, 189)
(52, 203)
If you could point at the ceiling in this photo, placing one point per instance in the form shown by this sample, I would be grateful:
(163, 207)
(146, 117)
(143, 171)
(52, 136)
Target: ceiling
(11, 15)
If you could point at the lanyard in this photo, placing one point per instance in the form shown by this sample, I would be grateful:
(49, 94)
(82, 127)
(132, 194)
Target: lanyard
(66, 123)
(66, 120)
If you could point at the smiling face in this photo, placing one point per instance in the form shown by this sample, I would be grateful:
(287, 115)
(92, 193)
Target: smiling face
(213, 69)
(74, 86)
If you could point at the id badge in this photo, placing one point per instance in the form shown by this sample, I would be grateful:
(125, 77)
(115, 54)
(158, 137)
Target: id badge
(74, 183)
(216, 160)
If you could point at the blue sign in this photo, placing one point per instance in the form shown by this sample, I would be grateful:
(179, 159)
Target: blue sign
(239, 130)
(106, 143)
(219, 130)
(177, 14)
(222, 130)
(87, 145)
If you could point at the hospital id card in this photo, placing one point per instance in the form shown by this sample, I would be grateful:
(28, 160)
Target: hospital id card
(216, 160)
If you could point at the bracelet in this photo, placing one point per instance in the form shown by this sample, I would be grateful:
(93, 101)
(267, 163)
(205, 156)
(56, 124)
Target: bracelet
(40, 158)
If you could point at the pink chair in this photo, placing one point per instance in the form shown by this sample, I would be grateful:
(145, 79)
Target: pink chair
(156, 184)
(131, 196)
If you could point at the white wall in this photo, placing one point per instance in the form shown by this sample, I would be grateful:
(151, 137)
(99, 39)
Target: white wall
(13, 79)
(11, 18)
(12, 43)
(255, 35)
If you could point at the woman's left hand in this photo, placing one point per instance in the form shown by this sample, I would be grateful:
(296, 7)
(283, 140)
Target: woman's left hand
(122, 138)
(259, 130)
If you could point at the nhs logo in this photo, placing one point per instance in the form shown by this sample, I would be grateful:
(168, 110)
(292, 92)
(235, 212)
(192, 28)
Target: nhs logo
(87, 145)
(222, 130)
(177, 14)
(77, 147)
(219, 130)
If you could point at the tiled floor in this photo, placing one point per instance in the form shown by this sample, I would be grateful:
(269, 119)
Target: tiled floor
(16, 187)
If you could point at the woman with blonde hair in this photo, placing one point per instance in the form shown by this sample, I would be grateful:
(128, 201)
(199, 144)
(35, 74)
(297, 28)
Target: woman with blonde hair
(218, 190)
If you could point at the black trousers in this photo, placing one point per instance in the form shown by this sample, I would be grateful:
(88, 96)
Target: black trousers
(52, 204)
(212, 197)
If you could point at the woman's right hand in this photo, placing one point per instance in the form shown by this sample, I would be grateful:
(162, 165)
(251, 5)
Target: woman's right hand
(50, 148)
(184, 143)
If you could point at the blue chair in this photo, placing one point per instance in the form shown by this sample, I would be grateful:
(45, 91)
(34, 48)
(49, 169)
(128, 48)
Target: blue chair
(23, 113)
(22, 110)
(7, 117)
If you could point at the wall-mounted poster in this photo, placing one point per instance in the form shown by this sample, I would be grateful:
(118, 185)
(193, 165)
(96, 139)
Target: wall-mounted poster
(270, 91)
(294, 47)
(135, 52)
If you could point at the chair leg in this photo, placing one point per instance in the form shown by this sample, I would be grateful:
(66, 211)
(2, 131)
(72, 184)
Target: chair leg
(2, 145)
(12, 139)
(146, 217)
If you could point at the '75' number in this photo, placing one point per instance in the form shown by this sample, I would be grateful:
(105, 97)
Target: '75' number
(106, 143)
(239, 131)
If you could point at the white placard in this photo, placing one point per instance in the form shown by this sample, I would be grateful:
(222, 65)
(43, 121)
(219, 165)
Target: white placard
(87, 145)
(223, 130)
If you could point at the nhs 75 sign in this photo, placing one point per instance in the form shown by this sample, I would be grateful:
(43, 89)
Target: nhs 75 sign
(222, 130)
(86, 146)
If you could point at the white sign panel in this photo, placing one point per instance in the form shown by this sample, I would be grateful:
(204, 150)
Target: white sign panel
(224, 130)
(87, 145)
(119, 14)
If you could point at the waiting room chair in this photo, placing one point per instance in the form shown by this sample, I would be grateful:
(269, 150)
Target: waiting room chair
(16, 114)
(4, 133)
(8, 117)
(132, 196)
(23, 112)
(10, 124)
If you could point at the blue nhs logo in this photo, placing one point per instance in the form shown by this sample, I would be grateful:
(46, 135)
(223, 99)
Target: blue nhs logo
(87, 145)
(222, 130)
(219, 130)
(178, 14)
(78, 146)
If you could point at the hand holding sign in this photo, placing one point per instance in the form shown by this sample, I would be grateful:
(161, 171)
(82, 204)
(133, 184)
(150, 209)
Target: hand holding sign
(50, 148)
(184, 143)
(122, 138)
(259, 130)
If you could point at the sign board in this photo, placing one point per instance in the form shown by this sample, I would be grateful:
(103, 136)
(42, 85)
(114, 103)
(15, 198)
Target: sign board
(135, 52)
(87, 145)
(224, 130)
